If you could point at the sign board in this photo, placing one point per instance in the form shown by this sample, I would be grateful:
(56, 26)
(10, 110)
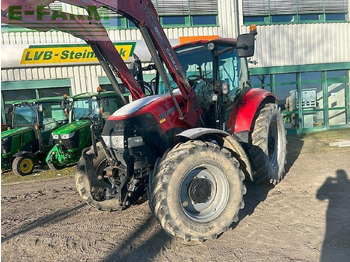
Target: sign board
(56, 54)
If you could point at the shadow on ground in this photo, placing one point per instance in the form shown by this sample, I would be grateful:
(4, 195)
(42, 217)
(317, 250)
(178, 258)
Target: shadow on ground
(132, 250)
(56, 217)
(336, 244)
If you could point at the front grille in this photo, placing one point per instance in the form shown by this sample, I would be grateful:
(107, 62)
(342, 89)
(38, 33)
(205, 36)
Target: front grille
(71, 143)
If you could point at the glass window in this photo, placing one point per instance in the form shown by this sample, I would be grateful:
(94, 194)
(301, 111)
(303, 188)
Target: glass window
(85, 108)
(253, 19)
(311, 76)
(24, 94)
(229, 71)
(131, 24)
(336, 74)
(337, 117)
(110, 105)
(336, 95)
(309, 17)
(335, 17)
(25, 115)
(282, 18)
(53, 110)
(204, 20)
(174, 20)
(261, 81)
(287, 95)
(53, 92)
(112, 21)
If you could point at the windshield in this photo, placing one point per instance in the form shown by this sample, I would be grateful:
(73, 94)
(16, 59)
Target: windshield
(229, 69)
(197, 63)
(85, 108)
(25, 115)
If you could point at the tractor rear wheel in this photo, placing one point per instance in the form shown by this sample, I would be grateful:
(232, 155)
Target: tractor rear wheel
(23, 165)
(197, 191)
(267, 148)
(89, 186)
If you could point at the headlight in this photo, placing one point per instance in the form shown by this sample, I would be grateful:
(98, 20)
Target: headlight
(67, 136)
(135, 141)
(114, 141)
(55, 136)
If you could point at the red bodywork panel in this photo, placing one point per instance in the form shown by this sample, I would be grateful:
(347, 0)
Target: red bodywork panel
(162, 107)
(244, 110)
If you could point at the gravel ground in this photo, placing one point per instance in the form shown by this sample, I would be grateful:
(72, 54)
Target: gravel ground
(304, 218)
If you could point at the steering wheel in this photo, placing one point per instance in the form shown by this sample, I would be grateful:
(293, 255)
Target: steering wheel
(148, 87)
(193, 77)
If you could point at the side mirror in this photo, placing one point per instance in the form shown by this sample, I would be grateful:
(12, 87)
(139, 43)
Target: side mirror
(245, 45)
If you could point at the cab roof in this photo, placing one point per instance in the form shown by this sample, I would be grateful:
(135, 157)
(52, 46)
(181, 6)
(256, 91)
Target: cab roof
(222, 41)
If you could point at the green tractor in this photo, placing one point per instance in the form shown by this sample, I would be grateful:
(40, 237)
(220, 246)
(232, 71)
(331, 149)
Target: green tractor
(29, 140)
(84, 110)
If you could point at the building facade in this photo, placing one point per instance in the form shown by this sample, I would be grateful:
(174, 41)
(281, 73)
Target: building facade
(302, 53)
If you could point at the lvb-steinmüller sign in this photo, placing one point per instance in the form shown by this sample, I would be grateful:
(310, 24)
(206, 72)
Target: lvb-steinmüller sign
(51, 54)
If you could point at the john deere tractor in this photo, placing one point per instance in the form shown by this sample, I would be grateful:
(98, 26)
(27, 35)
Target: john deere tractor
(84, 110)
(28, 142)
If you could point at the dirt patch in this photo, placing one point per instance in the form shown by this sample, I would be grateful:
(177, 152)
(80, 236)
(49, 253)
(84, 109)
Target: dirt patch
(305, 218)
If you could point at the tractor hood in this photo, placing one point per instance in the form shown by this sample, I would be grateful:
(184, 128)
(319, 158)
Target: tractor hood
(72, 127)
(15, 131)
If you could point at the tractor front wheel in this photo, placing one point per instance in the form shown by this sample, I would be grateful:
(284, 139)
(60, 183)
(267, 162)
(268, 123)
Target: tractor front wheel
(23, 165)
(196, 191)
(90, 187)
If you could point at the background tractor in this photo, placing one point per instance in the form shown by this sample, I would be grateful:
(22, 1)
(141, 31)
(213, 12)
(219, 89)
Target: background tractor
(84, 110)
(28, 142)
(191, 143)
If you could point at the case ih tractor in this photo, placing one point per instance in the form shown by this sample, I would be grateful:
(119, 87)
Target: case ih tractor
(72, 138)
(28, 142)
(189, 148)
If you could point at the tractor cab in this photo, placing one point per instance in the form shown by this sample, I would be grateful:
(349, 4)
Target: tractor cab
(30, 139)
(217, 74)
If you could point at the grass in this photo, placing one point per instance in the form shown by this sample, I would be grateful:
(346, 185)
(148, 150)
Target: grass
(38, 174)
(317, 141)
(305, 143)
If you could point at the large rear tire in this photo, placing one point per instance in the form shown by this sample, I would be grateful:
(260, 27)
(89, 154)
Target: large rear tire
(88, 184)
(196, 191)
(23, 165)
(267, 148)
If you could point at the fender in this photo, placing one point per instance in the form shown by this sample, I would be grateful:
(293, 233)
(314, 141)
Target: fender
(245, 108)
(229, 141)
(21, 153)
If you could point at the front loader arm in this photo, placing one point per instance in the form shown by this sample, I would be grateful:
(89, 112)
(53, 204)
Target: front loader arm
(84, 27)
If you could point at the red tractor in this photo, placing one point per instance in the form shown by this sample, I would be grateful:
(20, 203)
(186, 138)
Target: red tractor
(190, 143)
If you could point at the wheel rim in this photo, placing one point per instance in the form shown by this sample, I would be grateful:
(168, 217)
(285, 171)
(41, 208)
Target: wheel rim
(204, 193)
(273, 143)
(26, 165)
